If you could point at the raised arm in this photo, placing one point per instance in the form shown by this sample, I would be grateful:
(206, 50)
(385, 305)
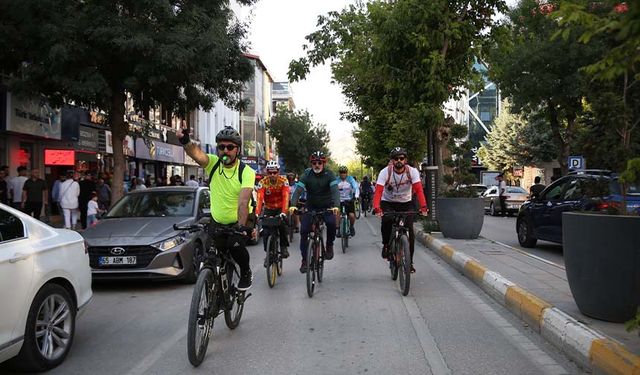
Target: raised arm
(192, 149)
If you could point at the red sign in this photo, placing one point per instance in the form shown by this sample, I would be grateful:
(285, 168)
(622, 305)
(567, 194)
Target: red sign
(59, 157)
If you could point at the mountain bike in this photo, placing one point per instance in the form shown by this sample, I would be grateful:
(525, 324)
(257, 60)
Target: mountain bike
(272, 247)
(400, 251)
(344, 228)
(215, 292)
(315, 249)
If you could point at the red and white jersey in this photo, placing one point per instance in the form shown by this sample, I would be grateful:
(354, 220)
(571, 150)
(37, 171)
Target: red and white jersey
(397, 186)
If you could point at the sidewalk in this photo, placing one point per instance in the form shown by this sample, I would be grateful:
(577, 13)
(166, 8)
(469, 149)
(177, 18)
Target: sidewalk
(543, 298)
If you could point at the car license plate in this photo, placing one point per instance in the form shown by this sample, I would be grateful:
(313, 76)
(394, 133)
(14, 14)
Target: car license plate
(110, 261)
(514, 206)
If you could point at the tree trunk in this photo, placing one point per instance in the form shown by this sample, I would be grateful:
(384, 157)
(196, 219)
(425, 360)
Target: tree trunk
(119, 131)
(563, 146)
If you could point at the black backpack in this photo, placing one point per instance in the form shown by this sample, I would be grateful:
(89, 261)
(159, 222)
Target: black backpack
(241, 168)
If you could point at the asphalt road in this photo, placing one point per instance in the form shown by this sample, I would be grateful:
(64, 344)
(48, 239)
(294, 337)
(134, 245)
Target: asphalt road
(356, 323)
(503, 230)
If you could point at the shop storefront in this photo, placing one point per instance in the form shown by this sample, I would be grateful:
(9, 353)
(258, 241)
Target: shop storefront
(158, 159)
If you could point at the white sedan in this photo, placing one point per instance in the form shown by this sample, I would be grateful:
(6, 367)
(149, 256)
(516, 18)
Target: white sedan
(45, 282)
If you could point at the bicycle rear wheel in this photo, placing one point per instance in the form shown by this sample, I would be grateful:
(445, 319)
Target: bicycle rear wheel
(311, 282)
(291, 219)
(272, 265)
(235, 306)
(393, 265)
(404, 265)
(201, 316)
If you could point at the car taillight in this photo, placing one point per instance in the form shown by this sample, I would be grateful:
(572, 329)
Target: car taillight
(609, 206)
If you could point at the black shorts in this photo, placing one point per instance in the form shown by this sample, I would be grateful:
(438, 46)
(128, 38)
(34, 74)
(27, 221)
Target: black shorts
(349, 206)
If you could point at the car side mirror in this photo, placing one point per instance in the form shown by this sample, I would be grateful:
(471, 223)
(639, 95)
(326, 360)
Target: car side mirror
(205, 212)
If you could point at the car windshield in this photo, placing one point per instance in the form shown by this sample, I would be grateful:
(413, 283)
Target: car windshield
(516, 190)
(154, 204)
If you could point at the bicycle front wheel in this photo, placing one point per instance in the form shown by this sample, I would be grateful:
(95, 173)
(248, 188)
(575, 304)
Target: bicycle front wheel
(344, 234)
(311, 282)
(320, 259)
(404, 265)
(201, 316)
(291, 227)
(393, 265)
(272, 265)
(235, 307)
(357, 204)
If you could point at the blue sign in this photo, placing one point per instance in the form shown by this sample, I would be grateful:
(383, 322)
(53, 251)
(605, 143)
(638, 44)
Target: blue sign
(577, 162)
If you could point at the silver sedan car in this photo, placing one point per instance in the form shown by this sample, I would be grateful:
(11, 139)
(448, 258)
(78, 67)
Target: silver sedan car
(516, 196)
(136, 239)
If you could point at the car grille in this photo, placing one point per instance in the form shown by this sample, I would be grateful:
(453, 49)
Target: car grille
(144, 255)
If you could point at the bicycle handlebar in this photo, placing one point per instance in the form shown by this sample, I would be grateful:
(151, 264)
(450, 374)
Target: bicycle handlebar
(216, 230)
(313, 212)
(398, 213)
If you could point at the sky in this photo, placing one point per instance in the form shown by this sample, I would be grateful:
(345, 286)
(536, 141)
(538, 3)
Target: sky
(277, 34)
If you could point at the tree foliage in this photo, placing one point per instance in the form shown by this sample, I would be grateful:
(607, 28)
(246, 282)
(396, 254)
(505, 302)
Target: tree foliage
(182, 54)
(615, 101)
(297, 137)
(397, 63)
(517, 140)
(542, 75)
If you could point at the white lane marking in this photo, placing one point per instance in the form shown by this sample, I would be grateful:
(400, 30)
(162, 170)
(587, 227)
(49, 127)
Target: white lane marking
(526, 253)
(371, 227)
(432, 354)
(545, 363)
(150, 359)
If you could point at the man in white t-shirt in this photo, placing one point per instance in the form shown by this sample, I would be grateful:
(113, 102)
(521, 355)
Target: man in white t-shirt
(502, 194)
(396, 185)
(192, 181)
(16, 186)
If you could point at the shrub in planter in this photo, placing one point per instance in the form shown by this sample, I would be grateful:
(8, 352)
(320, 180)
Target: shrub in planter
(460, 212)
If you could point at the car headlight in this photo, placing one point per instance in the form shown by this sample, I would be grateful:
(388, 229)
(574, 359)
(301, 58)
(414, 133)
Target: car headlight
(169, 243)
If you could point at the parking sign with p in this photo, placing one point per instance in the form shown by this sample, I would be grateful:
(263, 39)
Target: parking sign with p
(576, 162)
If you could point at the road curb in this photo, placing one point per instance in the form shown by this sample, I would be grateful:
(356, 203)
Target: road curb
(589, 348)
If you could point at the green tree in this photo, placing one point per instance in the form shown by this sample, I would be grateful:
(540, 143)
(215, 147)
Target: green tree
(542, 75)
(397, 63)
(297, 137)
(517, 140)
(615, 99)
(183, 54)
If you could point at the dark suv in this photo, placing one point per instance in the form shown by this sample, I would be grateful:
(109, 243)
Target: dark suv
(540, 218)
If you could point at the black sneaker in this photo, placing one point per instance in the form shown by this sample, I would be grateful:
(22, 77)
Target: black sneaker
(385, 252)
(353, 231)
(245, 281)
(413, 270)
(266, 261)
(284, 252)
(303, 266)
(328, 254)
(338, 234)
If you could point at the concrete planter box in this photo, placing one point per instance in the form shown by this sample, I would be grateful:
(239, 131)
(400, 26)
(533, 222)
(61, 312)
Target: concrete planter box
(460, 218)
(602, 259)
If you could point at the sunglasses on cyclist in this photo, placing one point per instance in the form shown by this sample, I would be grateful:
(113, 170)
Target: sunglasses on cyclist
(272, 173)
(316, 163)
(399, 158)
(229, 147)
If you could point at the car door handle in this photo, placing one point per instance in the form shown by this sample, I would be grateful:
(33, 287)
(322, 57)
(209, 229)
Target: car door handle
(18, 257)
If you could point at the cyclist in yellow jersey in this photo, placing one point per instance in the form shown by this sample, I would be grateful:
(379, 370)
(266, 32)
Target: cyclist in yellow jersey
(231, 185)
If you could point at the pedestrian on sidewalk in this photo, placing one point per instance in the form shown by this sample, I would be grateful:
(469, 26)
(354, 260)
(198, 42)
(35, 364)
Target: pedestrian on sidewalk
(16, 185)
(192, 181)
(34, 195)
(536, 188)
(502, 194)
(4, 187)
(87, 186)
(104, 194)
(93, 210)
(55, 193)
(70, 191)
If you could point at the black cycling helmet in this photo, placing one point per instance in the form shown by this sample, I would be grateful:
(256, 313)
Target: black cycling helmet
(343, 169)
(365, 178)
(397, 151)
(229, 134)
(318, 156)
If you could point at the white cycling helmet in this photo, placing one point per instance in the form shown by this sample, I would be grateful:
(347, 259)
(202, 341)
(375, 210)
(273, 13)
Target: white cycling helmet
(273, 165)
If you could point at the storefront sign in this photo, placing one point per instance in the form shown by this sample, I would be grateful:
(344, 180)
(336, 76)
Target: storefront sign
(59, 157)
(159, 151)
(88, 139)
(33, 116)
(127, 144)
